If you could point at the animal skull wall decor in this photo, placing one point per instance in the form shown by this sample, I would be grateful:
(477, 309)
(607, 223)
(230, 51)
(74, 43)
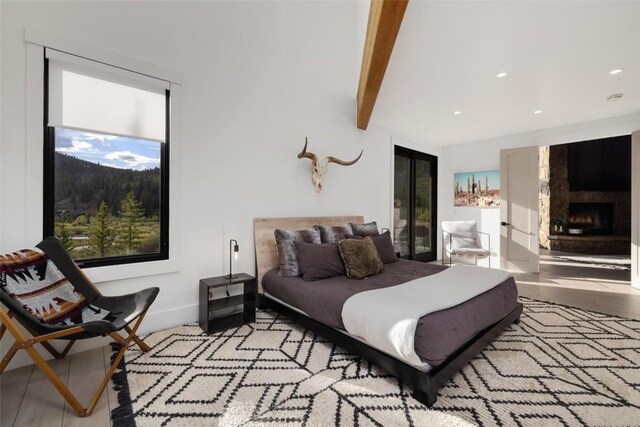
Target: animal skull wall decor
(319, 167)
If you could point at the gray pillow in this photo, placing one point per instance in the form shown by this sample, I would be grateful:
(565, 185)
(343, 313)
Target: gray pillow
(333, 234)
(363, 230)
(460, 242)
(287, 254)
(360, 258)
(319, 261)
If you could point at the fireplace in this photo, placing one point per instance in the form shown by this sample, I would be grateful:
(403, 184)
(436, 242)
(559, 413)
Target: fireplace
(591, 218)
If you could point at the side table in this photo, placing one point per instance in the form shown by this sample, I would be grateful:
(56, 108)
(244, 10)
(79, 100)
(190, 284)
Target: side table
(214, 315)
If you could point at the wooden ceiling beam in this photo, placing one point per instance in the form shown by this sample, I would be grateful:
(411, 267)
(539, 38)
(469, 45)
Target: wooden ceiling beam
(385, 17)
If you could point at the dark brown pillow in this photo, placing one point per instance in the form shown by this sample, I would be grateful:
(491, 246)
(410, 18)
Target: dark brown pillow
(287, 254)
(333, 234)
(319, 261)
(360, 258)
(363, 230)
(384, 246)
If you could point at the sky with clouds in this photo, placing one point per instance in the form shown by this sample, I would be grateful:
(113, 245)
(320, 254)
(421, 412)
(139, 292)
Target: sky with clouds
(492, 176)
(115, 151)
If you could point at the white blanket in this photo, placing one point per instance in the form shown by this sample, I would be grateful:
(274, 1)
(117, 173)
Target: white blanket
(387, 318)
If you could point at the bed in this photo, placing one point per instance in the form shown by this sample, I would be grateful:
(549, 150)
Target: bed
(445, 340)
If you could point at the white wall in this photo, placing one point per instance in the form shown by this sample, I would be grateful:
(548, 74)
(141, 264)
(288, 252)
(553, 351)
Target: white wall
(485, 155)
(257, 77)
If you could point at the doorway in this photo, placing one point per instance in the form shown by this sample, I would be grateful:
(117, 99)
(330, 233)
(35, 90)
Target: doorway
(585, 212)
(415, 206)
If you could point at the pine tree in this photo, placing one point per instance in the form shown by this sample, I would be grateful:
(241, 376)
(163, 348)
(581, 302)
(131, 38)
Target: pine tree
(102, 232)
(62, 233)
(131, 214)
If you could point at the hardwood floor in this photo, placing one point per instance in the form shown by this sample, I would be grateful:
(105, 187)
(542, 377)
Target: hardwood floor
(613, 303)
(27, 398)
(582, 285)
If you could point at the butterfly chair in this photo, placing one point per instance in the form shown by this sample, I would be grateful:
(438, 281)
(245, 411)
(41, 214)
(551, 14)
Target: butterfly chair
(462, 238)
(45, 292)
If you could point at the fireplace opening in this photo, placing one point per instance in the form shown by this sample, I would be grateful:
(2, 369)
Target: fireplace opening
(590, 218)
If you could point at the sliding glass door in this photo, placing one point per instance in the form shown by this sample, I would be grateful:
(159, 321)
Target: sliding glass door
(415, 193)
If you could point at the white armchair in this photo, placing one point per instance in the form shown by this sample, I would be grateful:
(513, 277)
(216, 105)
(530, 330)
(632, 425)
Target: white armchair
(462, 238)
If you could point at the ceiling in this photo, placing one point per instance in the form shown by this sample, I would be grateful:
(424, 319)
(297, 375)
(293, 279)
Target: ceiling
(557, 56)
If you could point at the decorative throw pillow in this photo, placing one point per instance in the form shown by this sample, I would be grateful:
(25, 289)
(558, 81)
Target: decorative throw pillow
(363, 230)
(319, 261)
(360, 258)
(287, 255)
(384, 246)
(333, 234)
(460, 242)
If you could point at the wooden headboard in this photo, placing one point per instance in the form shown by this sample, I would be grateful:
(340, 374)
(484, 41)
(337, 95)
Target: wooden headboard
(263, 228)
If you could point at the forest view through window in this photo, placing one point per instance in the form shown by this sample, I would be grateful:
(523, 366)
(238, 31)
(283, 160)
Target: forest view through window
(107, 194)
(106, 161)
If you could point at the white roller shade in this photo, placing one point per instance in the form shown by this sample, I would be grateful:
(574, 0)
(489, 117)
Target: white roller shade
(91, 96)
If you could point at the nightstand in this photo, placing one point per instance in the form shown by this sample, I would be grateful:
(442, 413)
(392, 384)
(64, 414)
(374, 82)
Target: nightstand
(226, 312)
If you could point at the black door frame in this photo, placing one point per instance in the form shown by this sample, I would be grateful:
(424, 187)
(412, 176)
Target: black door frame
(413, 156)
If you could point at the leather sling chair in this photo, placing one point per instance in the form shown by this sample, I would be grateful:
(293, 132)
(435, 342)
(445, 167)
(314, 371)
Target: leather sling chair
(46, 293)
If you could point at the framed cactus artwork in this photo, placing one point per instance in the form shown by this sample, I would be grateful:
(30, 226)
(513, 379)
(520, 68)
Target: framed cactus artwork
(477, 189)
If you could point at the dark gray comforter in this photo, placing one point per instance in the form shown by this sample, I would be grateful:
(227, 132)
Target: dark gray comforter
(438, 334)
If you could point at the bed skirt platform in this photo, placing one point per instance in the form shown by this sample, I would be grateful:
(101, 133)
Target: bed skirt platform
(425, 384)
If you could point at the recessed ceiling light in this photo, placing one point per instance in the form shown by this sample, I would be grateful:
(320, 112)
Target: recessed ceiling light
(537, 112)
(616, 71)
(457, 113)
(615, 97)
(501, 75)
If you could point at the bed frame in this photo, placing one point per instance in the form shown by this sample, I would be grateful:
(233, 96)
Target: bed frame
(425, 385)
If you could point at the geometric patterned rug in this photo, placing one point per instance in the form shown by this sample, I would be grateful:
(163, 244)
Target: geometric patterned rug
(560, 366)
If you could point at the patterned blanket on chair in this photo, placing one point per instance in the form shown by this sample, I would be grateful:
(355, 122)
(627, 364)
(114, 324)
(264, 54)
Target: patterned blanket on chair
(30, 278)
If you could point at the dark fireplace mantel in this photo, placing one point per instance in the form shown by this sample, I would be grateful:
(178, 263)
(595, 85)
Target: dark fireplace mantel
(592, 244)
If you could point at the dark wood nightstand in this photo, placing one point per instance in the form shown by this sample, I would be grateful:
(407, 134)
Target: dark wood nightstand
(214, 313)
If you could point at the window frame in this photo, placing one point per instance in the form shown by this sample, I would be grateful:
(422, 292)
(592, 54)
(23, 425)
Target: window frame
(48, 218)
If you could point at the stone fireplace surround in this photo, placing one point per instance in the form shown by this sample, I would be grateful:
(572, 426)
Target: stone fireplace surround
(559, 198)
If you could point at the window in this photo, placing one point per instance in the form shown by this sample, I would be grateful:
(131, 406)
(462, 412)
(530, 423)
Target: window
(106, 161)
(415, 195)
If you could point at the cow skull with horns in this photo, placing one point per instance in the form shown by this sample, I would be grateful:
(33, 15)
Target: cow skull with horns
(319, 167)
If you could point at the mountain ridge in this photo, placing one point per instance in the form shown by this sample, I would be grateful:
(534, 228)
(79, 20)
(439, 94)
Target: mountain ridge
(81, 185)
